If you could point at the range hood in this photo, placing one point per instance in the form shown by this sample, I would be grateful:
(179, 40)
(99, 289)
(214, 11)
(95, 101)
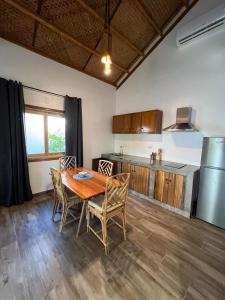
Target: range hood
(183, 121)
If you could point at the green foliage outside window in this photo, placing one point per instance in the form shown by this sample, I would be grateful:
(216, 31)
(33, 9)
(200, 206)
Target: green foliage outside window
(56, 143)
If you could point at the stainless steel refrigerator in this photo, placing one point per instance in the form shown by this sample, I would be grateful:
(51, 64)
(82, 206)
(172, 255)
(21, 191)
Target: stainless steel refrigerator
(211, 198)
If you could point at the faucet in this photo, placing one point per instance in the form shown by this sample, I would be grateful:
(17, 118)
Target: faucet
(121, 150)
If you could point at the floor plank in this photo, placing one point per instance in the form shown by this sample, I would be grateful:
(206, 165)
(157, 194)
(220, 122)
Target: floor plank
(165, 256)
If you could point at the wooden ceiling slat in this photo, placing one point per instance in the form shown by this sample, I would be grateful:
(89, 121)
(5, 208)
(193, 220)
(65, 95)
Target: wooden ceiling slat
(58, 60)
(161, 10)
(185, 3)
(15, 25)
(149, 17)
(111, 17)
(52, 43)
(71, 32)
(133, 24)
(156, 44)
(113, 30)
(57, 30)
(71, 17)
(36, 23)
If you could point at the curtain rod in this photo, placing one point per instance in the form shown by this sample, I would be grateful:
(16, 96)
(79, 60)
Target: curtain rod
(42, 91)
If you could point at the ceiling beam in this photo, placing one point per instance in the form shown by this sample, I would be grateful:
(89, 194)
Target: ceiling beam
(100, 38)
(58, 31)
(36, 23)
(119, 83)
(149, 16)
(113, 30)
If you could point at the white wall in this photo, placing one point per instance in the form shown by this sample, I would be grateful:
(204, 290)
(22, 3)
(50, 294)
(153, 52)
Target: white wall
(170, 78)
(98, 101)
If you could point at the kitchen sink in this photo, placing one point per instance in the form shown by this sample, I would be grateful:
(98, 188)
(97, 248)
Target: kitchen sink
(173, 165)
(116, 154)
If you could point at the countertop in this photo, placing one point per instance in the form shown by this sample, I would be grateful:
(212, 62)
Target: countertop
(156, 165)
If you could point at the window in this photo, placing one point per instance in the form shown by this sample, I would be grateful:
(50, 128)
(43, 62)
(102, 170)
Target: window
(45, 133)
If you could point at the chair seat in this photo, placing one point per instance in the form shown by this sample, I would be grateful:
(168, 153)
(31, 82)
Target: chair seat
(72, 198)
(97, 204)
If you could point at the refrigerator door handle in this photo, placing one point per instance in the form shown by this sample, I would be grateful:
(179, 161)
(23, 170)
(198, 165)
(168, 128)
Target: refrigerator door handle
(214, 168)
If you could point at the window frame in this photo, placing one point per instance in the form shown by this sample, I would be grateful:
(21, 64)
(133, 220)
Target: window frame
(45, 112)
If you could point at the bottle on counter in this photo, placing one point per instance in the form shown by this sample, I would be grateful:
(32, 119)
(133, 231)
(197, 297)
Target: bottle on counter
(159, 154)
(153, 157)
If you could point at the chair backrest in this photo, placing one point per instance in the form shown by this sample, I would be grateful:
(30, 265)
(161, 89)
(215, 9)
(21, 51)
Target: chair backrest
(59, 189)
(67, 163)
(105, 167)
(116, 190)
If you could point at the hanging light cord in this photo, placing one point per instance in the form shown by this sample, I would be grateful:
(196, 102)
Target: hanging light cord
(107, 22)
(106, 58)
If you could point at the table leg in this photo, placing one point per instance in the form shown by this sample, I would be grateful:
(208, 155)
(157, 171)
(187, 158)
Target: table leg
(81, 217)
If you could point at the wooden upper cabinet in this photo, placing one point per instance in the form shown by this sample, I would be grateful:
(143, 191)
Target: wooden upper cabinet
(151, 121)
(135, 123)
(121, 123)
(140, 122)
(169, 188)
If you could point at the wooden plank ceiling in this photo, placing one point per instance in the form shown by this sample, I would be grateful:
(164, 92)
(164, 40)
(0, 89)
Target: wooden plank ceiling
(71, 31)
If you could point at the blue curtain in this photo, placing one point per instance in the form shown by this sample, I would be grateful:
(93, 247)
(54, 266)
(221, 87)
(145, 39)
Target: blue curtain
(14, 176)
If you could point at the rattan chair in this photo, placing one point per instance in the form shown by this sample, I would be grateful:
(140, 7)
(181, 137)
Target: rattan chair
(67, 163)
(105, 167)
(112, 204)
(63, 198)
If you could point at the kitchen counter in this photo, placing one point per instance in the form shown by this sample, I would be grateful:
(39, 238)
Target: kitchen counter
(190, 173)
(166, 166)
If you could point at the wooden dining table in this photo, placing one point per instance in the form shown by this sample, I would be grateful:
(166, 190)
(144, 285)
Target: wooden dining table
(85, 189)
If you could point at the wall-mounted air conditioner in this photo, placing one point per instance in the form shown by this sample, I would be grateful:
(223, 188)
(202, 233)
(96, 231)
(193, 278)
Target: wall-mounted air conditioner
(202, 26)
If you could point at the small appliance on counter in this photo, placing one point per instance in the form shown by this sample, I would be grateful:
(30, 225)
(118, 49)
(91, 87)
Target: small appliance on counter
(211, 198)
(153, 157)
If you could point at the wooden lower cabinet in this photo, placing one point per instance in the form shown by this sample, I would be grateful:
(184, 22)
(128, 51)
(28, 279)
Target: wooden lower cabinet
(169, 189)
(139, 178)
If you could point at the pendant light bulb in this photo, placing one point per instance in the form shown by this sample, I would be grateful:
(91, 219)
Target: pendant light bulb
(106, 59)
(107, 69)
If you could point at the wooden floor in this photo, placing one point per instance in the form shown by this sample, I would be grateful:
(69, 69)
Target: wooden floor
(165, 257)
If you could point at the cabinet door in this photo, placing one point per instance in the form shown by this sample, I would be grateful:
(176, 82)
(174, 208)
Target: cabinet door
(121, 124)
(135, 123)
(117, 124)
(170, 182)
(126, 123)
(158, 187)
(151, 121)
(169, 189)
(179, 192)
(141, 180)
(126, 168)
(161, 186)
